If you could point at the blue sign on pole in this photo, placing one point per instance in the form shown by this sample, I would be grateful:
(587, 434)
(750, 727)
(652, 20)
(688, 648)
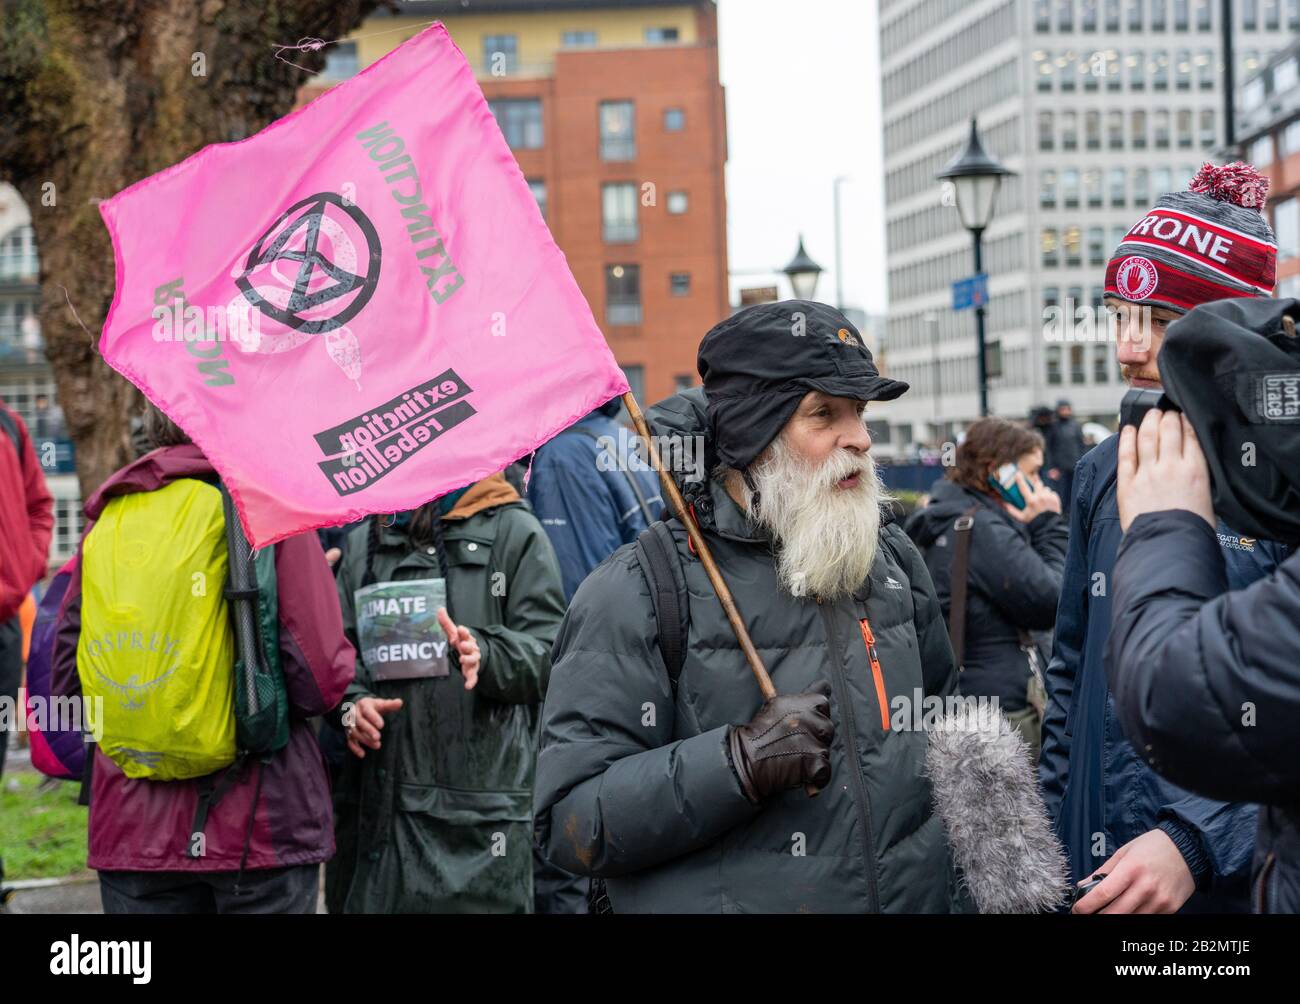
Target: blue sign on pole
(973, 291)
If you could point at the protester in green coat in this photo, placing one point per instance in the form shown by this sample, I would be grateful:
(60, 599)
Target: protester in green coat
(434, 806)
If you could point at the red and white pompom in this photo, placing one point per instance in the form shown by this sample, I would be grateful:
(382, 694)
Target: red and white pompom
(1237, 183)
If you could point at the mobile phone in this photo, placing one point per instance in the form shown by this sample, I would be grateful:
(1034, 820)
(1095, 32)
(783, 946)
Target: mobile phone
(1079, 891)
(1005, 485)
(1138, 401)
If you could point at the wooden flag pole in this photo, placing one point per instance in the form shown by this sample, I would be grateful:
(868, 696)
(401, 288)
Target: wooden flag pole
(706, 558)
(702, 549)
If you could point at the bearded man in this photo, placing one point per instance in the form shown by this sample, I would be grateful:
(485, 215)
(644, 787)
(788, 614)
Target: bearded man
(680, 786)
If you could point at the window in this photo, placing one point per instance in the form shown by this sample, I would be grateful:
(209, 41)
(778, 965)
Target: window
(679, 283)
(1077, 372)
(1072, 240)
(520, 120)
(1205, 69)
(1069, 131)
(1092, 187)
(1182, 15)
(1250, 14)
(538, 188)
(660, 36)
(1252, 94)
(683, 381)
(1135, 15)
(1054, 364)
(1158, 15)
(1185, 129)
(674, 119)
(1043, 60)
(1092, 130)
(1293, 15)
(18, 254)
(501, 54)
(617, 130)
(1051, 296)
(1160, 126)
(1160, 70)
(340, 61)
(1284, 76)
(1115, 129)
(1046, 130)
(1088, 15)
(1183, 70)
(577, 39)
(1289, 139)
(1096, 246)
(1204, 19)
(1162, 180)
(1137, 121)
(1068, 64)
(1141, 187)
(1209, 128)
(618, 213)
(1070, 188)
(1050, 248)
(677, 203)
(1112, 15)
(1101, 363)
(1272, 15)
(635, 380)
(1114, 78)
(1286, 227)
(1047, 188)
(1117, 234)
(1065, 15)
(1117, 186)
(623, 294)
(1137, 70)
(1042, 15)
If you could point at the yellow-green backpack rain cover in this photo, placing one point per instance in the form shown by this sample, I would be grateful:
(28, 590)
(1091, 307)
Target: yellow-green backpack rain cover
(156, 642)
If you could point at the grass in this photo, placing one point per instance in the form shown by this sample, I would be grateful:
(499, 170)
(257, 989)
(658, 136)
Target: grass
(42, 833)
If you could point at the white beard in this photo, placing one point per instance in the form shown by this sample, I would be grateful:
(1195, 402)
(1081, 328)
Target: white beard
(826, 536)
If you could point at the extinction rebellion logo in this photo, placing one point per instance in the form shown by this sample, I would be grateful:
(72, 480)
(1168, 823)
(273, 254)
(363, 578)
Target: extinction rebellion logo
(325, 292)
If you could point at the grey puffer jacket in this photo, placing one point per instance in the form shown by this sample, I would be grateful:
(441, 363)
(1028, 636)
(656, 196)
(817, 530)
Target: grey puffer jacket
(633, 781)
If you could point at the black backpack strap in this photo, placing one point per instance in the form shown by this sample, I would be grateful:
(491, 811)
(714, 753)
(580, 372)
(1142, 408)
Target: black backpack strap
(656, 550)
(960, 568)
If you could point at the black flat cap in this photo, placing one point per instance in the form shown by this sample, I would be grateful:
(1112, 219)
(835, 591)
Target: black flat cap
(758, 364)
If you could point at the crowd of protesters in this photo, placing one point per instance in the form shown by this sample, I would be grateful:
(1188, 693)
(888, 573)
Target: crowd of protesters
(527, 695)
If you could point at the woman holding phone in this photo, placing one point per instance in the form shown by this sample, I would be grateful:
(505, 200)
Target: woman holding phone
(994, 542)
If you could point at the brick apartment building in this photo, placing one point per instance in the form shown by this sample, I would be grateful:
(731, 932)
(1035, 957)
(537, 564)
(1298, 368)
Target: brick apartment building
(615, 113)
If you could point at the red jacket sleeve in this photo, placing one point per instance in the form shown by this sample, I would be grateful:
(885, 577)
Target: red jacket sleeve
(318, 661)
(40, 503)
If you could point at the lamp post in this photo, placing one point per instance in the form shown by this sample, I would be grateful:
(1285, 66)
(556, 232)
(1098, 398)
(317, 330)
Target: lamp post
(839, 256)
(976, 177)
(802, 272)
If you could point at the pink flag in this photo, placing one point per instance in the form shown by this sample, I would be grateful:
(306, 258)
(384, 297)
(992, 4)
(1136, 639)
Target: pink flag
(358, 309)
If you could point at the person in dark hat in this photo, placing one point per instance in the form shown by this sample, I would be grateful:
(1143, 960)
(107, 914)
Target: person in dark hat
(662, 770)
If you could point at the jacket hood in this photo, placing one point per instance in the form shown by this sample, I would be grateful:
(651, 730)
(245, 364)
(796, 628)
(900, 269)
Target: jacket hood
(151, 472)
(492, 491)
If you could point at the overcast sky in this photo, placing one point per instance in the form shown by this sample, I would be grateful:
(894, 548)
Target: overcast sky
(803, 106)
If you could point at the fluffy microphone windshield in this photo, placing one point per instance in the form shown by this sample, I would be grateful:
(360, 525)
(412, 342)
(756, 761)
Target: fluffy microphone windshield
(986, 792)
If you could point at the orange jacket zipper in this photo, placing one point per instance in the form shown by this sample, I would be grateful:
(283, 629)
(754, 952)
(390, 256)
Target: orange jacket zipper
(876, 672)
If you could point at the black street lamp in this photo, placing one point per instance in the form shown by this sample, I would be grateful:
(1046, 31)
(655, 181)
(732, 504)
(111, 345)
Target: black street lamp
(976, 177)
(802, 273)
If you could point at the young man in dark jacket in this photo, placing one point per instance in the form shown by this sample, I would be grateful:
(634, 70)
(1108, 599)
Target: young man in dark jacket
(1014, 558)
(265, 839)
(1206, 680)
(689, 795)
(1113, 813)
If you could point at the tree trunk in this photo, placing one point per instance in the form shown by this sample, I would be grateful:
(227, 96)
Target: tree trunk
(96, 96)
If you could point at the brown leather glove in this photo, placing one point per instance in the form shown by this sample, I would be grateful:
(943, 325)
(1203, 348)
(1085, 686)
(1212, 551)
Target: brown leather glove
(786, 745)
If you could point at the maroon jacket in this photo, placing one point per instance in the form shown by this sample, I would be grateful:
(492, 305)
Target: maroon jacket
(26, 516)
(139, 825)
